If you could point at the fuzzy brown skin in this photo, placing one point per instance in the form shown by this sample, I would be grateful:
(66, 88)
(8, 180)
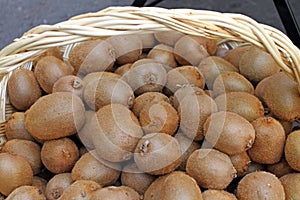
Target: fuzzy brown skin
(233, 56)
(218, 195)
(69, 83)
(23, 89)
(40, 183)
(163, 54)
(55, 51)
(241, 163)
(168, 37)
(291, 184)
(260, 186)
(154, 190)
(98, 75)
(57, 185)
(55, 116)
(116, 193)
(183, 91)
(292, 150)
(26, 192)
(148, 40)
(280, 169)
(85, 135)
(123, 71)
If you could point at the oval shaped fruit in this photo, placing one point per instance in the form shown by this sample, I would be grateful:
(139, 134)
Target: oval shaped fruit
(148, 40)
(241, 163)
(291, 185)
(99, 75)
(116, 193)
(69, 83)
(183, 91)
(280, 169)
(234, 55)
(85, 134)
(163, 54)
(40, 183)
(168, 37)
(292, 150)
(154, 190)
(23, 89)
(57, 185)
(55, 116)
(26, 192)
(217, 195)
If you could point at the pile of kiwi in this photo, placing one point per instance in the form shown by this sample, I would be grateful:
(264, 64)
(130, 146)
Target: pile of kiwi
(161, 116)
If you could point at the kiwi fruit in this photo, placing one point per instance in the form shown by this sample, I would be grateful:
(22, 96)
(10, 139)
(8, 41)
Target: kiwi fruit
(99, 75)
(157, 154)
(147, 75)
(291, 185)
(57, 185)
(159, 117)
(23, 89)
(240, 162)
(163, 54)
(183, 91)
(147, 99)
(221, 51)
(280, 169)
(193, 112)
(231, 82)
(28, 150)
(15, 171)
(154, 190)
(59, 155)
(104, 91)
(92, 56)
(292, 150)
(116, 132)
(217, 195)
(234, 55)
(40, 183)
(91, 167)
(15, 127)
(228, 132)
(55, 116)
(116, 193)
(242, 103)
(256, 64)
(55, 51)
(148, 41)
(83, 150)
(26, 192)
(85, 135)
(212, 66)
(69, 83)
(136, 179)
(123, 70)
(128, 48)
(168, 37)
(260, 185)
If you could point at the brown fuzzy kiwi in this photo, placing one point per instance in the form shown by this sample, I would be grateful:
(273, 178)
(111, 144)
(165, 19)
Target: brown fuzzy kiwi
(292, 150)
(59, 155)
(256, 64)
(23, 89)
(191, 50)
(91, 167)
(116, 193)
(183, 91)
(234, 55)
(136, 179)
(181, 76)
(40, 183)
(55, 51)
(231, 82)
(157, 154)
(193, 112)
(15, 171)
(26, 192)
(291, 185)
(163, 54)
(168, 37)
(280, 169)
(240, 162)
(212, 66)
(147, 75)
(254, 167)
(55, 116)
(147, 99)
(154, 190)
(221, 51)
(211, 168)
(29, 150)
(69, 83)
(119, 144)
(98, 75)
(260, 185)
(85, 134)
(242, 103)
(57, 185)
(15, 127)
(104, 91)
(148, 40)
(123, 70)
(48, 70)
(269, 141)
(92, 56)
(218, 195)
(159, 117)
(128, 48)
(81, 190)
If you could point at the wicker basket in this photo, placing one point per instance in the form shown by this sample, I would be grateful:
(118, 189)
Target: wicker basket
(225, 27)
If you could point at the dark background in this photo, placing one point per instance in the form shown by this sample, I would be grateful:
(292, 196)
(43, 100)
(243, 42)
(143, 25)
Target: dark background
(18, 16)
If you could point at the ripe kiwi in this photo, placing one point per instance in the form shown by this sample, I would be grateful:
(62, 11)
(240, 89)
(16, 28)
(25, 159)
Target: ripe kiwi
(211, 168)
(15, 127)
(183, 91)
(168, 37)
(57, 185)
(26, 192)
(59, 155)
(116, 132)
(159, 117)
(85, 134)
(116, 193)
(91, 167)
(234, 55)
(292, 150)
(23, 89)
(260, 185)
(92, 56)
(157, 154)
(55, 51)
(242, 103)
(231, 82)
(15, 171)
(217, 195)
(123, 71)
(193, 112)
(148, 40)
(256, 64)
(163, 54)
(55, 115)
(212, 66)
(280, 169)
(104, 91)
(228, 132)
(136, 179)
(28, 150)
(291, 185)
(240, 162)
(99, 75)
(69, 83)
(40, 183)
(154, 190)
